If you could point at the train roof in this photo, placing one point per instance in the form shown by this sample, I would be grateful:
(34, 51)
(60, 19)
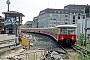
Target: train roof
(34, 28)
(65, 26)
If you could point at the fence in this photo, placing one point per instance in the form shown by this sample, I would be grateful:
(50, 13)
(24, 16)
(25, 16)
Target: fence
(29, 55)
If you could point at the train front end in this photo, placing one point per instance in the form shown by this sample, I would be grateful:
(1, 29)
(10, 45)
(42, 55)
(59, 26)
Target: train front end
(66, 35)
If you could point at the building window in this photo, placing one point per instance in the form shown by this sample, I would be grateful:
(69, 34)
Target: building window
(72, 9)
(29, 26)
(66, 12)
(66, 16)
(55, 11)
(54, 19)
(50, 22)
(79, 14)
(58, 11)
(58, 22)
(73, 17)
(76, 9)
(51, 11)
(50, 18)
(66, 23)
(83, 17)
(62, 11)
(54, 15)
(66, 19)
(50, 15)
(73, 20)
(78, 17)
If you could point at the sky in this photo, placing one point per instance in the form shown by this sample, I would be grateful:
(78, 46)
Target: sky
(31, 8)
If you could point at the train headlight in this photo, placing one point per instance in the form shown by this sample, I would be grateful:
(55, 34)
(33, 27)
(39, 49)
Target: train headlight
(62, 37)
(72, 37)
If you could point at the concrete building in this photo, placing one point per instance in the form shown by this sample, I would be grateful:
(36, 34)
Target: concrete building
(35, 22)
(74, 7)
(28, 24)
(31, 24)
(81, 26)
(13, 22)
(53, 17)
(1, 23)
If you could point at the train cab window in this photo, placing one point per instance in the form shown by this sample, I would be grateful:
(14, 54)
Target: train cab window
(63, 30)
(71, 30)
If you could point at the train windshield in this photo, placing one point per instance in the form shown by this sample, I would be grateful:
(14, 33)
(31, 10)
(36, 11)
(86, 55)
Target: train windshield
(70, 30)
(63, 30)
(67, 30)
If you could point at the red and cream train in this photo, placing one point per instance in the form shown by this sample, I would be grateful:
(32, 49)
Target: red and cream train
(64, 34)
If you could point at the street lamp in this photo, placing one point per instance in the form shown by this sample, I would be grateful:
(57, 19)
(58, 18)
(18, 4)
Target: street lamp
(8, 2)
(82, 23)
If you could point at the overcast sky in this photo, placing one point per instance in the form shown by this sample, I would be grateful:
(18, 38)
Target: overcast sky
(31, 8)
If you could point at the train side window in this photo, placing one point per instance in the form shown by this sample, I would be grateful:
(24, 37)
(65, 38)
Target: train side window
(55, 31)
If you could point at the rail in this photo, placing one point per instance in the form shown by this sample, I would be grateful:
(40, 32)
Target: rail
(6, 41)
(84, 54)
(9, 48)
(71, 57)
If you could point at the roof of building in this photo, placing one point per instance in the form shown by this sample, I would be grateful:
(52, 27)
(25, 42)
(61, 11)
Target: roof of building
(66, 26)
(13, 12)
(71, 8)
(62, 11)
(35, 18)
(74, 6)
(29, 22)
(51, 10)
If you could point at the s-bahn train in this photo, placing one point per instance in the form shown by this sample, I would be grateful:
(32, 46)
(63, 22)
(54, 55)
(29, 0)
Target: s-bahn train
(64, 34)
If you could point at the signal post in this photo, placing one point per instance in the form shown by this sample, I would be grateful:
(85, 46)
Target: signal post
(87, 16)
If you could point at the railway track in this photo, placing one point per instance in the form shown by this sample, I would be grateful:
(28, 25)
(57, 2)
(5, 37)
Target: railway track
(6, 41)
(64, 54)
(7, 45)
(85, 54)
(69, 53)
(54, 50)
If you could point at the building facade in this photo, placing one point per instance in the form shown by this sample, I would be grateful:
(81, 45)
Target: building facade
(1, 23)
(13, 22)
(31, 24)
(53, 17)
(28, 24)
(81, 26)
(35, 22)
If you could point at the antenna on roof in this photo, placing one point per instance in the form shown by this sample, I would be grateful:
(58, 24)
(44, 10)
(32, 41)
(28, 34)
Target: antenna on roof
(48, 3)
